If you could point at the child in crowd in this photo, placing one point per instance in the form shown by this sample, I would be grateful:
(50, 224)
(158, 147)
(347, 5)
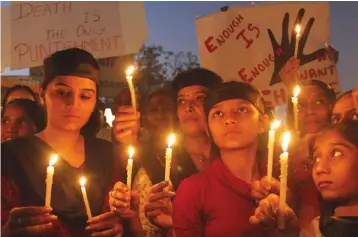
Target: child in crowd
(346, 106)
(335, 156)
(20, 118)
(217, 201)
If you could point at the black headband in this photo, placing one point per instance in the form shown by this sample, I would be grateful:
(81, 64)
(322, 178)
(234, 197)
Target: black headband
(70, 62)
(196, 77)
(234, 90)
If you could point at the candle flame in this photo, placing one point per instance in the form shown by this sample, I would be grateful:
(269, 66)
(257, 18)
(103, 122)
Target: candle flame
(171, 140)
(286, 141)
(83, 181)
(298, 29)
(53, 159)
(109, 116)
(275, 124)
(296, 91)
(130, 71)
(131, 152)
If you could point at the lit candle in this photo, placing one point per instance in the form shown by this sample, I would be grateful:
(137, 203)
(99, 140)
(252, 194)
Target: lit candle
(49, 180)
(283, 179)
(168, 156)
(109, 117)
(85, 198)
(129, 77)
(298, 35)
(270, 147)
(294, 100)
(130, 167)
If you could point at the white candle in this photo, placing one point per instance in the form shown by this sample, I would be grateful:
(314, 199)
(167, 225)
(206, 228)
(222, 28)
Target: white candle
(129, 77)
(294, 100)
(49, 180)
(85, 198)
(298, 35)
(283, 180)
(168, 156)
(109, 116)
(270, 147)
(130, 167)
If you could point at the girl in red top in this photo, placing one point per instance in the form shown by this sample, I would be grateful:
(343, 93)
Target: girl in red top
(217, 201)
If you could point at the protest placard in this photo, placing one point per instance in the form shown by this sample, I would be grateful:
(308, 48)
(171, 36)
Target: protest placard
(5, 38)
(237, 45)
(40, 28)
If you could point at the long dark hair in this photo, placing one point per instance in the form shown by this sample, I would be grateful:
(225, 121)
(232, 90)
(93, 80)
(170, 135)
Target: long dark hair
(348, 130)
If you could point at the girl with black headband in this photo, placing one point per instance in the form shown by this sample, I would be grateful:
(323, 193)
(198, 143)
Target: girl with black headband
(70, 92)
(193, 150)
(217, 202)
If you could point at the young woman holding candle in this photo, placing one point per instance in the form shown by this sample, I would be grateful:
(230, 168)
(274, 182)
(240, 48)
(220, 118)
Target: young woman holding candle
(70, 92)
(158, 120)
(193, 151)
(217, 201)
(335, 156)
(21, 118)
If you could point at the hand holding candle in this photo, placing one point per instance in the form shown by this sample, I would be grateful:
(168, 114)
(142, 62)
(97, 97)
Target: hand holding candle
(129, 77)
(49, 180)
(294, 100)
(168, 156)
(130, 167)
(283, 180)
(270, 147)
(85, 198)
(298, 36)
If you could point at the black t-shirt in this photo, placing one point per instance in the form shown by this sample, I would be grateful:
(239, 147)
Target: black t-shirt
(24, 162)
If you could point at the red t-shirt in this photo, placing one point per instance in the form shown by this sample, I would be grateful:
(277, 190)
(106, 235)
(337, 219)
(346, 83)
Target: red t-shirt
(214, 203)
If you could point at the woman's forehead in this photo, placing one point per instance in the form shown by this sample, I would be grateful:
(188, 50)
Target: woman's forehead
(74, 82)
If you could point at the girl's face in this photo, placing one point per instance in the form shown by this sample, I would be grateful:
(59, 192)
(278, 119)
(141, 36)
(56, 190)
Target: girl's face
(15, 123)
(234, 124)
(344, 109)
(314, 109)
(70, 102)
(159, 113)
(335, 169)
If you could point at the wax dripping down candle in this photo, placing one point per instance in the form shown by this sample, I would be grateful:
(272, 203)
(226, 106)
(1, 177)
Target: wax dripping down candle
(49, 179)
(130, 167)
(168, 156)
(129, 77)
(270, 147)
(283, 179)
(298, 36)
(294, 100)
(85, 198)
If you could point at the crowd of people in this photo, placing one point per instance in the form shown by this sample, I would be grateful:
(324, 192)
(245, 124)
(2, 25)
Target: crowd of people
(218, 182)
